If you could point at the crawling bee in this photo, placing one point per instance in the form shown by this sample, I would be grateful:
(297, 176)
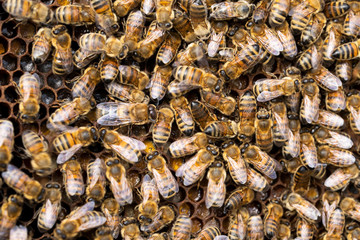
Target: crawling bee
(11, 210)
(6, 143)
(235, 162)
(216, 190)
(96, 182)
(164, 217)
(183, 116)
(111, 209)
(61, 41)
(229, 10)
(42, 45)
(73, 179)
(150, 200)
(188, 145)
(304, 208)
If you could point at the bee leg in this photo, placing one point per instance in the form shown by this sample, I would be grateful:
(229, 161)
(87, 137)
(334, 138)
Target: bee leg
(75, 79)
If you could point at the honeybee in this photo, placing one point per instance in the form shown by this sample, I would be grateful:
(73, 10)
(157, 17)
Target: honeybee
(347, 51)
(96, 182)
(85, 84)
(163, 14)
(10, 211)
(268, 89)
(330, 120)
(238, 224)
(280, 123)
(159, 82)
(238, 198)
(163, 217)
(292, 145)
(162, 126)
(330, 202)
(287, 40)
(274, 212)
(105, 19)
(148, 8)
(344, 71)
(76, 15)
(304, 208)
(167, 51)
(73, 179)
(159, 236)
(240, 37)
(261, 12)
(111, 209)
(183, 117)
(188, 145)
(341, 177)
(61, 41)
(319, 171)
(198, 19)
(308, 154)
(150, 199)
(208, 232)
(18, 233)
(37, 149)
(351, 24)
(188, 56)
(147, 47)
(131, 75)
(109, 68)
(352, 231)
(278, 12)
(260, 160)
(119, 113)
(235, 162)
(325, 79)
(181, 229)
(83, 57)
(309, 59)
(126, 93)
(216, 190)
(311, 101)
(284, 230)
(263, 130)
(332, 40)
(80, 219)
(256, 181)
(302, 13)
(165, 181)
(50, 210)
(353, 106)
(300, 181)
(6, 143)
(350, 206)
(336, 225)
(335, 101)
(247, 113)
(68, 143)
(229, 10)
(119, 184)
(122, 8)
(336, 9)
(201, 114)
(225, 105)
(221, 129)
(130, 230)
(336, 157)
(313, 30)
(194, 169)
(42, 45)
(255, 227)
(103, 233)
(181, 23)
(304, 229)
(217, 37)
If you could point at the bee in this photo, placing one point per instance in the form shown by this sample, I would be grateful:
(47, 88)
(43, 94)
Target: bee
(18, 233)
(319, 171)
(336, 225)
(343, 70)
(119, 184)
(336, 9)
(103, 233)
(183, 117)
(122, 8)
(216, 190)
(341, 177)
(188, 145)
(126, 93)
(162, 127)
(7, 143)
(247, 113)
(148, 8)
(147, 47)
(313, 30)
(131, 75)
(301, 15)
(311, 101)
(163, 14)
(240, 37)
(346, 51)
(217, 37)
(68, 143)
(325, 79)
(181, 229)
(335, 101)
(198, 19)
(85, 84)
(37, 149)
(221, 129)
(80, 219)
(330, 120)
(111, 209)
(165, 181)
(261, 12)
(238, 224)
(127, 148)
(50, 210)
(163, 217)
(353, 106)
(255, 227)
(194, 169)
(167, 51)
(235, 162)
(304, 229)
(76, 15)
(260, 160)
(287, 40)
(159, 236)
(105, 19)
(181, 23)
(229, 10)
(274, 212)
(352, 231)
(238, 198)
(280, 123)
(256, 181)
(109, 68)
(130, 230)
(188, 56)
(351, 24)
(10, 212)
(284, 230)
(304, 208)
(263, 129)
(308, 154)
(83, 57)
(159, 82)
(300, 182)
(150, 200)
(225, 105)
(292, 145)
(332, 40)
(268, 89)
(42, 45)
(278, 12)
(201, 114)
(350, 208)
(73, 179)
(23, 184)
(61, 41)
(96, 182)
(208, 232)
(335, 156)
(119, 113)
(293, 101)
(330, 202)
(309, 59)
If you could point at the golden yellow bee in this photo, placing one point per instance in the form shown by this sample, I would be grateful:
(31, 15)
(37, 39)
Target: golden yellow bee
(238, 224)
(165, 181)
(80, 219)
(280, 123)
(131, 75)
(126, 93)
(181, 229)
(130, 229)
(336, 224)
(225, 105)
(119, 184)
(302, 13)
(163, 217)
(18, 232)
(23, 184)
(109, 67)
(103, 233)
(303, 207)
(73, 178)
(162, 126)
(292, 145)
(96, 182)
(336, 9)
(287, 40)
(256, 181)
(83, 57)
(309, 59)
(350, 207)
(308, 154)
(61, 41)
(111, 209)
(221, 129)
(183, 117)
(216, 190)
(127, 148)
(50, 210)
(261, 12)
(311, 101)
(335, 156)
(325, 79)
(150, 199)
(181, 23)
(85, 84)
(68, 143)
(274, 212)
(75, 14)
(235, 162)
(163, 13)
(332, 40)
(352, 231)
(313, 30)
(278, 12)
(209, 231)
(122, 8)
(300, 181)
(330, 202)
(304, 229)
(330, 120)
(10, 212)
(201, 114)
(217, 37)
(353, 106)
(191, 54)
(42, 45)
(255, 227)
(344, 71)
(159, 82)
(198, 19)
(167, 52)
(188, 145)
(263, 129)
(37, 149)
(6, 143)
(341, 177)
(229, 10)
(347, 51)
(335, 101)
(247, 113)
(105, 19)
(238, 198)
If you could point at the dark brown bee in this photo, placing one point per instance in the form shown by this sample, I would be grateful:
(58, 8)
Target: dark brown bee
(263, 130)
(335, 9)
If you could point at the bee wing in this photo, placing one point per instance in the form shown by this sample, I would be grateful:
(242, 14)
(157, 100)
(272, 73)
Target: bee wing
(267, 96)
(293, 143)
(186, 165)
(98, 172)
(81, 211)
(283, 128)
(127, 154)
(92, 223)
(328, 209)
(134, 143)
(51, 210)
(218, 191)
(18, 232)
(328, 79)
(67, 154)
(338, 176)
(239, 168)
(123, 188)
(270, 42)
(354, 20)
(6, 133)
(286, 37)
(309, 156)
(356, 115)
(111, 222)
(112, 120)
(221, 237)
(339, 140)
(330, 119)
(185, 116)
(164, 185)
(307, 209)
(271, 173)
(311, 109)
(215, 40)
(316, 57)
(180, 88)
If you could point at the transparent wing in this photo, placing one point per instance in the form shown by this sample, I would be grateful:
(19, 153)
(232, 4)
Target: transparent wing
(339, 140)
(311, 109)
(127, 154)
(218, 191)
(134, 143)
(239, 169)
(18, 232)
(6, 132)
(283, 128)
(92, 222)
(271, 173)
(356, 116)
(126, 189)
(186, 165)
(270, 42)
(185, 116)
(308, 210)
(267, 96)
(221, 237)
(354, 20)
(67, 154)
(309, 155)
(81, 211)
(98, 171)
(180, 88)
(337, 177)
(51, 210)
(163, 186)
(215, 40)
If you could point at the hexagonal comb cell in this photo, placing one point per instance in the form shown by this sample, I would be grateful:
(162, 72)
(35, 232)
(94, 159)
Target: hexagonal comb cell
(3, 45)
(9, 62)
(8, 29)
(27, 30)
(4, 78)
(18, 46)
(26, 63)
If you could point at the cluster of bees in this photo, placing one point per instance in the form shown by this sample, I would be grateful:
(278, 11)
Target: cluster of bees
(169, 60)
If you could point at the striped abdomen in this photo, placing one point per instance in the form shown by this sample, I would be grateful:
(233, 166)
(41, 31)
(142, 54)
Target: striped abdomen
(46, 219)
(308, 154)
(188, 75)
(264, 134)
(304, 230)
(350, 27)
(62, 62)
(100, 6)
(94, 42)
(74, 183)
(65, 115)
(122, 192)
(82, 58)
(271, 225)
(162, 126)
(109, 69)
(182, 228)
(33, 143)
(247, 113)
(29, 87)
(301, 18)
(15, 178)
(85, 85)
(335, 101)
(336, 9)
(208, 233)
(97, 218)
(168, 49)
(42, 46)
(278, 12)
(198, 17)
(74, 15)
(65, 141)
(343, 70)
(256, 181)
(255, 227)
(201, 114)
(159, 82)
(347, 51)
(353, 122)
(238, 198)
(19, 8)
(182, 24)
(7, 133)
